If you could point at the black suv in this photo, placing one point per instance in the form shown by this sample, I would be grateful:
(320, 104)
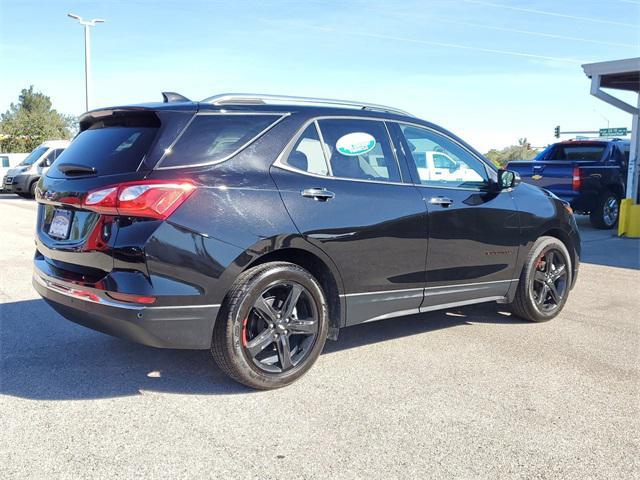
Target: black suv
(258, 226)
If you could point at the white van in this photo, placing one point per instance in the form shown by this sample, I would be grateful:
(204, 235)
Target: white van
(8, 161)
(23, 178)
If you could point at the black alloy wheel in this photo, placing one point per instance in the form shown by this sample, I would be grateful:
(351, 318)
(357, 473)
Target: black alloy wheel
(549, 282)
(272, 325)
(545, 281)
(281, 328)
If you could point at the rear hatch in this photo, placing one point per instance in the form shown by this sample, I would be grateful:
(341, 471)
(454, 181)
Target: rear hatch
(80, 212)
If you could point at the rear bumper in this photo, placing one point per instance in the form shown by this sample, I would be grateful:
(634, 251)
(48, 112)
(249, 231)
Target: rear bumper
(180, 326)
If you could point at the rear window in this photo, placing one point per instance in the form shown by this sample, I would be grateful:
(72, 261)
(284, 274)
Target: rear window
(212, 138)
(111, 146)
(574, 152)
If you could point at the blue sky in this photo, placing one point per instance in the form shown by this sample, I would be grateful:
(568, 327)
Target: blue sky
(490, 70)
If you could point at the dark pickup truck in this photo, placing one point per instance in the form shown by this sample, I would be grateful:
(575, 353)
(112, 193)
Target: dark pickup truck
(589, 174)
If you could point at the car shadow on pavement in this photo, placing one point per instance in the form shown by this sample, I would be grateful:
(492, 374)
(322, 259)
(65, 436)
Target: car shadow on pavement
(45, 357)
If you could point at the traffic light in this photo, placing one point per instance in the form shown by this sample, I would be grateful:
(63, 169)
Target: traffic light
(556, 132)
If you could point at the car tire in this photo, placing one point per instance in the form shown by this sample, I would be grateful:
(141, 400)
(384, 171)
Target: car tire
(32, 189)
(605, 215)
(536, 280)
(245, 326)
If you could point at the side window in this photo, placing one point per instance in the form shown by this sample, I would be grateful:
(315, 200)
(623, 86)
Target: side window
(307, 154)
(49, 159)
(211, 138)
(442, 162)
(359, 149)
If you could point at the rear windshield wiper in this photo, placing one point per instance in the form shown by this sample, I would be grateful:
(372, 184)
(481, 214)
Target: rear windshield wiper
(75, 169)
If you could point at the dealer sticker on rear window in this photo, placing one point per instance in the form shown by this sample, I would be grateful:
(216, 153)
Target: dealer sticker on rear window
(355, 143)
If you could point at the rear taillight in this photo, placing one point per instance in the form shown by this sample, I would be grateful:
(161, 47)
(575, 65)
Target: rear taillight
(152, 199)
(576, 182)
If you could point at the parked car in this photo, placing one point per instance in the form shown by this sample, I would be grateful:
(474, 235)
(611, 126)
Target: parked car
(22, 179)
(589, 174)
(8, 161)
(258, 226)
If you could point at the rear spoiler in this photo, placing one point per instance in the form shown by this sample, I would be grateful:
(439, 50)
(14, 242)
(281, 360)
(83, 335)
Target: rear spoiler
(150, 110)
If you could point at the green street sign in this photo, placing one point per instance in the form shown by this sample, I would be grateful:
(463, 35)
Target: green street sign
(613, 132)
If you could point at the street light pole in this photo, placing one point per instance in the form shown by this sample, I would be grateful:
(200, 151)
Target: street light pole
(87, 54)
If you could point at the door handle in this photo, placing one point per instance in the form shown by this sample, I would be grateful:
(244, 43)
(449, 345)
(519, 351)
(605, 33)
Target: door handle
(443, 201)
(320, 194)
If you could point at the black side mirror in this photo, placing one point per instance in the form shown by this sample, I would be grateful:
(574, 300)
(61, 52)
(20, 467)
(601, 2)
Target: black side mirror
(508, 179)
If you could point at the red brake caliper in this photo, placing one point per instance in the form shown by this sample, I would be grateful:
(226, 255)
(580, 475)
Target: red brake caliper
(244, 332)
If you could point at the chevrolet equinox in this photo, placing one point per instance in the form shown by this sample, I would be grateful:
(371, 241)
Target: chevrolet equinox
(257, 226)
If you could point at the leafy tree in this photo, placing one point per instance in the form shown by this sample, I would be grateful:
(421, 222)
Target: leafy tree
(521, 151)
(32, 121)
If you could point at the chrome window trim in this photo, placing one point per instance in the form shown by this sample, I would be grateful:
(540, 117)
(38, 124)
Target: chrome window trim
(280, 163)
(282, 116)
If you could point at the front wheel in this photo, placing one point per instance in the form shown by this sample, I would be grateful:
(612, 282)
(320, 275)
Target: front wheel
(544, 282)
(272, 326)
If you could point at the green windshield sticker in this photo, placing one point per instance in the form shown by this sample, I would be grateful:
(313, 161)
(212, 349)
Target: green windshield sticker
(355, 143)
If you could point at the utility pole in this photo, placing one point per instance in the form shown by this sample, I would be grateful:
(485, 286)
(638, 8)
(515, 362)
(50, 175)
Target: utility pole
(87, 54)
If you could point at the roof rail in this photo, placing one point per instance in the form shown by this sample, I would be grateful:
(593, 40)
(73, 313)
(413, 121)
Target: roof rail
(258, 99)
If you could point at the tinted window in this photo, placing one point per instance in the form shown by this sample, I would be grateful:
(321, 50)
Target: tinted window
(359, 149)
(5, 162)
(441, 162)
(307, 154)
(577, 151)
(210, 138)
(109, 150)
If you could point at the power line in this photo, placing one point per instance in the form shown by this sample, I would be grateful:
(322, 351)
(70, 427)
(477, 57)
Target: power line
(450, 45)
(552, 14)
(413, 16)
(526, 32)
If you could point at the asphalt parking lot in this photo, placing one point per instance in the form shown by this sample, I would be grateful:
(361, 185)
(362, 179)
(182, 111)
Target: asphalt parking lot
(470, 392)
